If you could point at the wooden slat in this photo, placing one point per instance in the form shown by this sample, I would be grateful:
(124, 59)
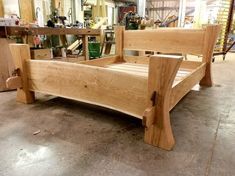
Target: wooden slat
(142, 70)
(101, 62)
(185, 85)
(165, 40)
(145, 60)
(95, 85)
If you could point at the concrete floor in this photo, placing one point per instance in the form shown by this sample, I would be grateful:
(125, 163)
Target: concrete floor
(77, 139)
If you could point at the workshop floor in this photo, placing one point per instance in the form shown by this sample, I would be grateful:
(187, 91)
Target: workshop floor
(55, 136)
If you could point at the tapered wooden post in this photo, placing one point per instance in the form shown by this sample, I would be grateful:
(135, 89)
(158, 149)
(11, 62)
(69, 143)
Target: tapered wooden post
(162, 72)
(210, 39)
(20, 54)
(119, 37)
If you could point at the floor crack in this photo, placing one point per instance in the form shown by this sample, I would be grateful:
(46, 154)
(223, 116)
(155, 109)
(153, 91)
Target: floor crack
(208, 167)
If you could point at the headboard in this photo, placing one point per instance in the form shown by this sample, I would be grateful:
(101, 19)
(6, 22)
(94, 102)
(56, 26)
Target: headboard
(171, 40)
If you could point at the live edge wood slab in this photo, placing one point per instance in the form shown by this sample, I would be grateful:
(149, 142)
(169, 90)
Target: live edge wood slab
(144, 87)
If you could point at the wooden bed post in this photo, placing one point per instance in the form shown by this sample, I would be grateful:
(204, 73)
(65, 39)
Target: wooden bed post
(119, 37)
(210, 39)
(156, 118)
(20, 54)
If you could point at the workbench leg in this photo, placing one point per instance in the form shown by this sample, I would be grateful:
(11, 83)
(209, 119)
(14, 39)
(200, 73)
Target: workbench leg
(156, 119)
(85, 47)
(20, 54)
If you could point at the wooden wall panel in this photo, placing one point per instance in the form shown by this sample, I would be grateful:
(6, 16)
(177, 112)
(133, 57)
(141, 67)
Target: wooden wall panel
(1, 8)
(26, 10)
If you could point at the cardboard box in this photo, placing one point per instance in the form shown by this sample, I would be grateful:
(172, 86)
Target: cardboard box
(41, 54)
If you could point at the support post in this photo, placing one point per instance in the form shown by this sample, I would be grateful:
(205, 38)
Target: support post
(20, 54)
(119, 37)
(162, 72)
(210, 39)
(85, 47)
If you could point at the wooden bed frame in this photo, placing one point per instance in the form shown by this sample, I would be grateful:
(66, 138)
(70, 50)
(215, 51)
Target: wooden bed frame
(144, 87)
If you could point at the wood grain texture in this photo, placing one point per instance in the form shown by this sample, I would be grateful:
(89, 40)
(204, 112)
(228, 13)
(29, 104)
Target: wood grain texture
(20, 54)
(162, 72)
(96, 85)
(119, 41)
(212, 32)
(101, 62)
(6, 63)
(1, 8)
(182, 87)
(14, 82)
(26, 10)
(85, 47)
(165, 40)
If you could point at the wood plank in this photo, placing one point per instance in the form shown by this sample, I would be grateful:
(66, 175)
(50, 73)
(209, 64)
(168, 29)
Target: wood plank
(96, 85)
(184, 86)
(145, 60)
(165, 40)
(142, 69)
(20, 54)
(101, 62)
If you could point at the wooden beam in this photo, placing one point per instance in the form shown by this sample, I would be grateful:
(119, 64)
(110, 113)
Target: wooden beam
(20, 54)
(162, 72)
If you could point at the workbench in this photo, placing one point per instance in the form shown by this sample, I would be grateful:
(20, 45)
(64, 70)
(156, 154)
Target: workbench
(6, 63)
